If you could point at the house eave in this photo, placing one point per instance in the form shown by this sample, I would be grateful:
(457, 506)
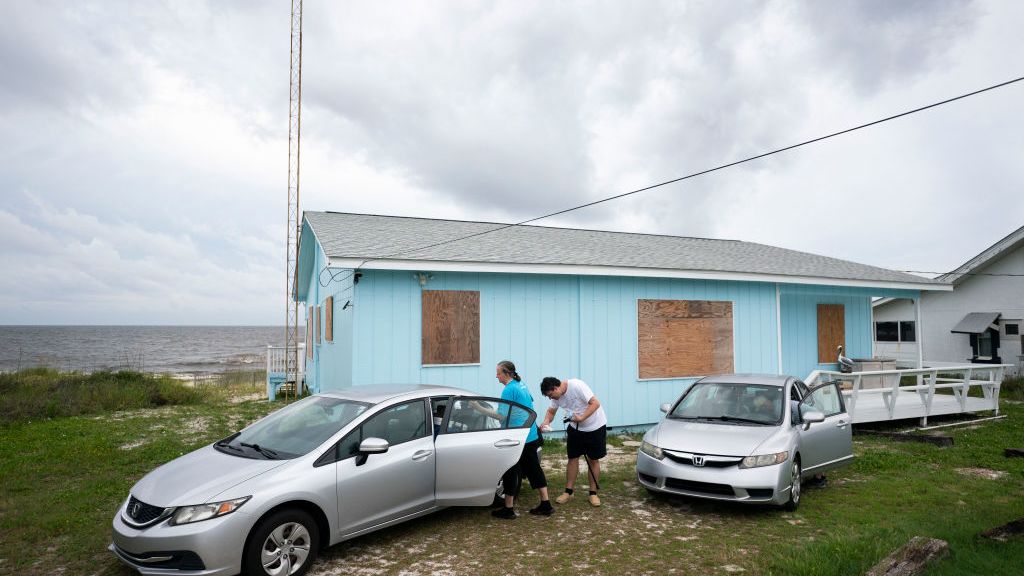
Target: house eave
(589, 270)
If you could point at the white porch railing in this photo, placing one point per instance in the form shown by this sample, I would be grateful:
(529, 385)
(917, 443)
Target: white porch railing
(880, 395)
(277, 367)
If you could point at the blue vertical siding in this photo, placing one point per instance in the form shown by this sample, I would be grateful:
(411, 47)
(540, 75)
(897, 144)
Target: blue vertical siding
(800, 323)
(566, 326)
(549, 325)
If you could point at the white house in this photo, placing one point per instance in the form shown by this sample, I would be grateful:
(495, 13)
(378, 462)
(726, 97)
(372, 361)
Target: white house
(980, 321)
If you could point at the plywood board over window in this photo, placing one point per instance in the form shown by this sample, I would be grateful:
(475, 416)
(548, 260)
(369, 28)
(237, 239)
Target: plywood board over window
(680, 338)
(451, 327)
(329, 319)
(831, 332)
(318, 331)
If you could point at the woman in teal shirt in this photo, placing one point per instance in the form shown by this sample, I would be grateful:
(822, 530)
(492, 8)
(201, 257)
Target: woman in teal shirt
(529, 462)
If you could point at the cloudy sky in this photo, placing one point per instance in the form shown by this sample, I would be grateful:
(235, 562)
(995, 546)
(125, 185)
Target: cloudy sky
(144, 167)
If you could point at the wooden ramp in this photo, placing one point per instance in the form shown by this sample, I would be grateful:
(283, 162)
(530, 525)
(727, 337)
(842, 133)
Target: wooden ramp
(917, 393)
(874, 409)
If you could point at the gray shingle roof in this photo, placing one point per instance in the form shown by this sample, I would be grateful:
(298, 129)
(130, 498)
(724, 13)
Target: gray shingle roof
(365, 236)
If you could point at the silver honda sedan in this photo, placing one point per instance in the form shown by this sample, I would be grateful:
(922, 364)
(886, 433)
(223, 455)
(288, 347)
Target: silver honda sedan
(322, 470)
(746, 438)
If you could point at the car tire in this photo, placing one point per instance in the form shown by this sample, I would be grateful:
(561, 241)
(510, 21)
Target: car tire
(282, 544)
(795, 492)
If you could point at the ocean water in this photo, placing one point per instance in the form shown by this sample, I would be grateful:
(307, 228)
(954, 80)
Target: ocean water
(173, 349)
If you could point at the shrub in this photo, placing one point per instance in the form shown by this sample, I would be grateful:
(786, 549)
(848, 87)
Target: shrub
(48, 393)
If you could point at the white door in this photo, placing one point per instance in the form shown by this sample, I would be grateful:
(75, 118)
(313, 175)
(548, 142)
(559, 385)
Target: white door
(376, 488)
(827, 444)
(481, 439)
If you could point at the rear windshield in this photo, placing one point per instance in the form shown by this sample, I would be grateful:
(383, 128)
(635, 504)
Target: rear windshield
(295, 430)
(722, 401)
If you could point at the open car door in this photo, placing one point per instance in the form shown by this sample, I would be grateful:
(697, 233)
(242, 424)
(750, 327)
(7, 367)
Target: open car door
(480, 439)
(827, 444)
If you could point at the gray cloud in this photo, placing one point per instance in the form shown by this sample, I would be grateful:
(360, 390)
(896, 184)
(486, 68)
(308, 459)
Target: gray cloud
(145, 142)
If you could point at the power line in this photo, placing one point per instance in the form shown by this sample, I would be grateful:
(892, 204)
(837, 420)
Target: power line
(695, 174)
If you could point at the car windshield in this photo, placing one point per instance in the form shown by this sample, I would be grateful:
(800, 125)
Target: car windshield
(295, 430)
(742, 403)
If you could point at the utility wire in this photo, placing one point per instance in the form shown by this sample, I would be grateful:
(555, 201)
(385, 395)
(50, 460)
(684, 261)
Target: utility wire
(695, 174)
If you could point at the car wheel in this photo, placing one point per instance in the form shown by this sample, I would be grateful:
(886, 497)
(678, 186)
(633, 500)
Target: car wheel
(282, 544)
(794, 487)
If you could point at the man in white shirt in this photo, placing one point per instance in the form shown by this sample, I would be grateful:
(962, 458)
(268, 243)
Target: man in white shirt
(586, 432)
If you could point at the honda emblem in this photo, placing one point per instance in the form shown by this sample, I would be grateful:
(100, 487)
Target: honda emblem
(698, 460)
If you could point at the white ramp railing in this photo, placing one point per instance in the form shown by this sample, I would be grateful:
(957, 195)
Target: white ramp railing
(889, 386)
(277, 367)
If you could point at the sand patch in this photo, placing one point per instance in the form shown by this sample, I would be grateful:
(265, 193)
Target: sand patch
(981, 473)
(133, 445)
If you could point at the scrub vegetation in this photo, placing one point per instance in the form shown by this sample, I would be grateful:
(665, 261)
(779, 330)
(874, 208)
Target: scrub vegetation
(64, 477)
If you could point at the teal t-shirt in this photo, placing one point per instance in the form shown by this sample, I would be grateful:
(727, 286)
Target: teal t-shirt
(516, 391)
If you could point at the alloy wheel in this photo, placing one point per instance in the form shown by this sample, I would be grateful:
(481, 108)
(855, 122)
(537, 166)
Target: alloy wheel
(285, 550)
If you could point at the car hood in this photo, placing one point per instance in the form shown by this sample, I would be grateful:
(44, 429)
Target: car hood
(197, 477)
(711, 438)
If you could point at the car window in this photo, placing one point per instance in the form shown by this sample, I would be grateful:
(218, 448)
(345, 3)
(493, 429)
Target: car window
(477, 414)
(397, 425)
(723, 401)
(801, 388)
(825, 399)
(297, 429)
(438, 409)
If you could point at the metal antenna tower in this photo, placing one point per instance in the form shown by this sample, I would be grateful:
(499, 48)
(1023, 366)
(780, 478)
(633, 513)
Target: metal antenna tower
(291, 339)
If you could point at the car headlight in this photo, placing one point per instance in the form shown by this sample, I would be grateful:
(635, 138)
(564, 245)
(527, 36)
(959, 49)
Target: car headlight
(651, 450)
(764, 460)
(200, 512)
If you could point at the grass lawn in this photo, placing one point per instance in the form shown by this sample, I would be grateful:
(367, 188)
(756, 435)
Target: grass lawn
(63, 479)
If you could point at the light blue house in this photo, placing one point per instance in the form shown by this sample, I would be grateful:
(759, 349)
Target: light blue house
(639, 317)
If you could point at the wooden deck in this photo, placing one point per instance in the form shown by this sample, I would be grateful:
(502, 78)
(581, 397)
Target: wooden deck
(875, 409)
(917, 393)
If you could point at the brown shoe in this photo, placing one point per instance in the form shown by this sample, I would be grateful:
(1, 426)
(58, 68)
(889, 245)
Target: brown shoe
(563, 498)
(594, 500)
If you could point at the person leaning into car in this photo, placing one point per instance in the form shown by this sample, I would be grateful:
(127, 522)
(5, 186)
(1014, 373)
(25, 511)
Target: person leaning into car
(529, 462)
(585, 435)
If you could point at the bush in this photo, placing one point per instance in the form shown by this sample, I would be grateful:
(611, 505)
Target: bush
(48, 393)
(1012, 389)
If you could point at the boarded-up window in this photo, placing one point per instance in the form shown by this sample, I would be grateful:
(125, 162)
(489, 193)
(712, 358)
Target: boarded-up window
(309, 333)
(318, 331)
(329, 319)
(451, 327)
(680, 338)
(831, 332)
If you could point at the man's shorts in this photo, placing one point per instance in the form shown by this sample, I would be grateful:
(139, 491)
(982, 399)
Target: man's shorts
(592, 443)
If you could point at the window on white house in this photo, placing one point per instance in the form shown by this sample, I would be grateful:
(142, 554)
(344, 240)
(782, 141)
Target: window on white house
(1012, 329)
(908, 332)
(905, 331)
(887, 332)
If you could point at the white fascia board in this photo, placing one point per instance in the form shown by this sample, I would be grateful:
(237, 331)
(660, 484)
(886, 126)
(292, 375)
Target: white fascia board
(585, 270)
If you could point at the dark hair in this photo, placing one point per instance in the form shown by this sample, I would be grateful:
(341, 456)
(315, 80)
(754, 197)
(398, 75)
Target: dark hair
(548, 384)
(509, 368)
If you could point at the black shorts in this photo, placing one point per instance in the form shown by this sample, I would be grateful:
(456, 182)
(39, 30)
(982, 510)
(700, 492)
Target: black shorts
(591, 444)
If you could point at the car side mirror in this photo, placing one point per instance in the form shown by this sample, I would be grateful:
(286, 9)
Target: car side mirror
(812, 417)
(371, 446)
(665, 408)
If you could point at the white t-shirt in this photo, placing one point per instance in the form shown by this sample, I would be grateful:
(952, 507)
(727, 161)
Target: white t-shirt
(574, 401)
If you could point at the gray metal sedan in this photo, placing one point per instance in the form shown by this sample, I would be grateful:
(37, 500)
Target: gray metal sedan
(322, 470)
(746, 438)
